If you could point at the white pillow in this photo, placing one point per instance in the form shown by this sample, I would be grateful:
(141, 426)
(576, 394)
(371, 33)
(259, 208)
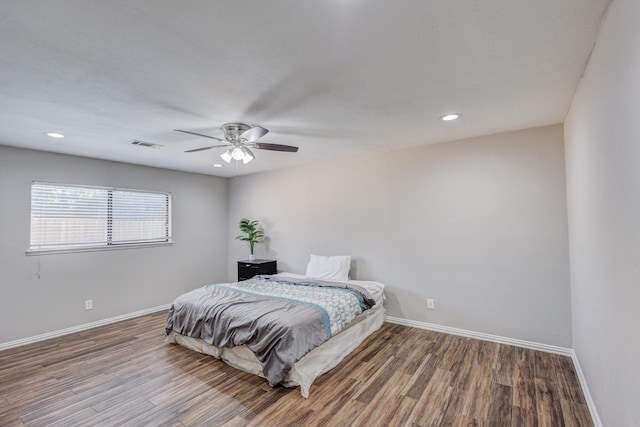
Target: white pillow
(333, 268)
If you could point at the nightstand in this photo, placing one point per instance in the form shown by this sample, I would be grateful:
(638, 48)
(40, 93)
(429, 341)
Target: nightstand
(247, 269)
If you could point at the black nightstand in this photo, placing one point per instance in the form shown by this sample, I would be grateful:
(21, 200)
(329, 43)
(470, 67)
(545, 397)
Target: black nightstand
(247, 269)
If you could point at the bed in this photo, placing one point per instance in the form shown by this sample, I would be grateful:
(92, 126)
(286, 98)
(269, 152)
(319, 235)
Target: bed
(287, 328)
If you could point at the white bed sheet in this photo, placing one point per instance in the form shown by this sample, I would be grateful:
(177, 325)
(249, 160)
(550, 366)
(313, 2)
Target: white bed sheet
(315, 363)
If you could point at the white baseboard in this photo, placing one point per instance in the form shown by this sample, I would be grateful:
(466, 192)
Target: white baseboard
(482, 336)
(585, 390)
(55, 334)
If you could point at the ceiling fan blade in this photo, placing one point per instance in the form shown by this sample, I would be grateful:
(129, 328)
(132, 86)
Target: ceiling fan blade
(200, 134)
(275, 147)
(206, 148)
(254, 133)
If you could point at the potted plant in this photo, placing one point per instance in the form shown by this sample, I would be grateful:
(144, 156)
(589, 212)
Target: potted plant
(252, 234)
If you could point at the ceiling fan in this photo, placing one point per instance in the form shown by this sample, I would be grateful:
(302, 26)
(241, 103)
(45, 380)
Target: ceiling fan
(239, 138)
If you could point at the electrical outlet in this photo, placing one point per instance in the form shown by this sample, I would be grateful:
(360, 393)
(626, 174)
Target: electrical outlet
(431, 304)
(88, 304)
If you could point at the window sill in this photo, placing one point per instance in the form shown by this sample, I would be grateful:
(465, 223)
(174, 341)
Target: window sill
(33, 252)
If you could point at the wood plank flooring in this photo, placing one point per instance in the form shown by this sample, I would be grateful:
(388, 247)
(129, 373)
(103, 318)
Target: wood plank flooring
(125, 375)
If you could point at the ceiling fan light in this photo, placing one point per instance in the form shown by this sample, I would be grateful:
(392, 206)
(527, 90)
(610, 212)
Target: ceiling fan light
(248, 156)
(237, 153)
(226, 156)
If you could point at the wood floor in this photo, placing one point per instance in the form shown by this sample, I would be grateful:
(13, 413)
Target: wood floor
(125, 375)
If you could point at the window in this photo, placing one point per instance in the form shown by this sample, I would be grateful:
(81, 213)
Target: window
(74, 217)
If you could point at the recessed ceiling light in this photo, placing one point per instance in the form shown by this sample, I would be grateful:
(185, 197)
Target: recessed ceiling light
(217, 165)
(54, 135)
(449, 117)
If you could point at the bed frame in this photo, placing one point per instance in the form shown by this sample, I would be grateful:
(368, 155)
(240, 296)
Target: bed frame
(315, 363)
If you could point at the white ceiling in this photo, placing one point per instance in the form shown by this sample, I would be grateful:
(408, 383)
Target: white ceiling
(334, 77)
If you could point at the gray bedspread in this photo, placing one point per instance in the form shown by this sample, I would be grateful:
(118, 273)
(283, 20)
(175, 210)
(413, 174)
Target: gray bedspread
(279, 321)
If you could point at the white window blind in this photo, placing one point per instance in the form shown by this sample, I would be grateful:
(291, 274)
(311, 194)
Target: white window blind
(75, 217)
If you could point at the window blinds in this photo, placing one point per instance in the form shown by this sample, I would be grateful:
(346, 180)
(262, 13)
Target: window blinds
(71, 216)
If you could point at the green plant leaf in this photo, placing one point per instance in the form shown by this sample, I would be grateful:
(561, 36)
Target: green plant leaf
(252, 230)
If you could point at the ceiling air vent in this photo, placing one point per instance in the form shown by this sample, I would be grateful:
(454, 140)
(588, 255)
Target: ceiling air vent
(145, 144)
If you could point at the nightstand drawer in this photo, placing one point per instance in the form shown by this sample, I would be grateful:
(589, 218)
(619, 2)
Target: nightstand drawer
(248, 265)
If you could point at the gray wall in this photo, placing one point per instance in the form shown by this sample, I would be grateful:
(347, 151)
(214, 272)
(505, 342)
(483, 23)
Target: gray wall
(602, 136)
(119, 281)
(480, 225)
